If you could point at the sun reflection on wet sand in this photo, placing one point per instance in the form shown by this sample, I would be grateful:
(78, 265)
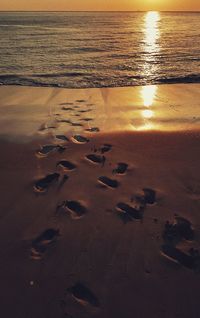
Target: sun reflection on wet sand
(148, 94)
(147, 113)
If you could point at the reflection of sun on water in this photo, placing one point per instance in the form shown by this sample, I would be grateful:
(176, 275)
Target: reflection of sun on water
(151, 31)
(151, 44)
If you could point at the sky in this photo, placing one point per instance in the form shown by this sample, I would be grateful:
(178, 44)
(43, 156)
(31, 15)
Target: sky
(99, 5)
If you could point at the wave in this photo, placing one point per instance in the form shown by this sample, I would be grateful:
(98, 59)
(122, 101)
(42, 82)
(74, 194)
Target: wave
(192, 78)
(66, 74)
(47, 75)
(87, 50)
(83, 80)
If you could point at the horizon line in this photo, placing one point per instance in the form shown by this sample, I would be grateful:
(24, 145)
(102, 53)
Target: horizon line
(104, 11)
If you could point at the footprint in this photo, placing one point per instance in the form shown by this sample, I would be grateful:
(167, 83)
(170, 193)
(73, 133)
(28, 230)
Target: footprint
(85, 111)
(76, 124)
(66, 165)
(190, 260)
(62, 137)
(180, 229)
(87, 119)
(46, 150)
(149, 196)
(83, 295)
(121, 168)
(93, 129)
(80, 100)
(105, 148)
(66, 104)
(67, 121)
(173, 234)
(110, 183)
(40, 244)
(67, 108)
(138, 202)
(43, 184)
(96, 159)
(76, 209)
(128, 213)
(80, 139)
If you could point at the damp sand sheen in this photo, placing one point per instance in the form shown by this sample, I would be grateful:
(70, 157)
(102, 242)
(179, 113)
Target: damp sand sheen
(100, 208)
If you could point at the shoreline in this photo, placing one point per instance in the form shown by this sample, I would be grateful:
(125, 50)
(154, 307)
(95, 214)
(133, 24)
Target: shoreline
(34, 111)
(170, 81)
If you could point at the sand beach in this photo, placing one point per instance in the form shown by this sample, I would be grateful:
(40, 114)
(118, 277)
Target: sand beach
(100, 202)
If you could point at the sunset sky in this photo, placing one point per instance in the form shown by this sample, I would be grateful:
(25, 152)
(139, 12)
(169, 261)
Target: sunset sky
(96, 5)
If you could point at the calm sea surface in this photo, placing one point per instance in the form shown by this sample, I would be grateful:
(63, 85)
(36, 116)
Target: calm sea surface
(99, 49)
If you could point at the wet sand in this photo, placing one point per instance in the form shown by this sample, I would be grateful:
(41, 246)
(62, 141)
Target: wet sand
(98, 220)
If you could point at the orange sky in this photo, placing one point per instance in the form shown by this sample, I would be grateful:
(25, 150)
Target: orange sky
(96, 5)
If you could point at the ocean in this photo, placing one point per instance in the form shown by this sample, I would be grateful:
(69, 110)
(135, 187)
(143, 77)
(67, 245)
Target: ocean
(99, 49)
